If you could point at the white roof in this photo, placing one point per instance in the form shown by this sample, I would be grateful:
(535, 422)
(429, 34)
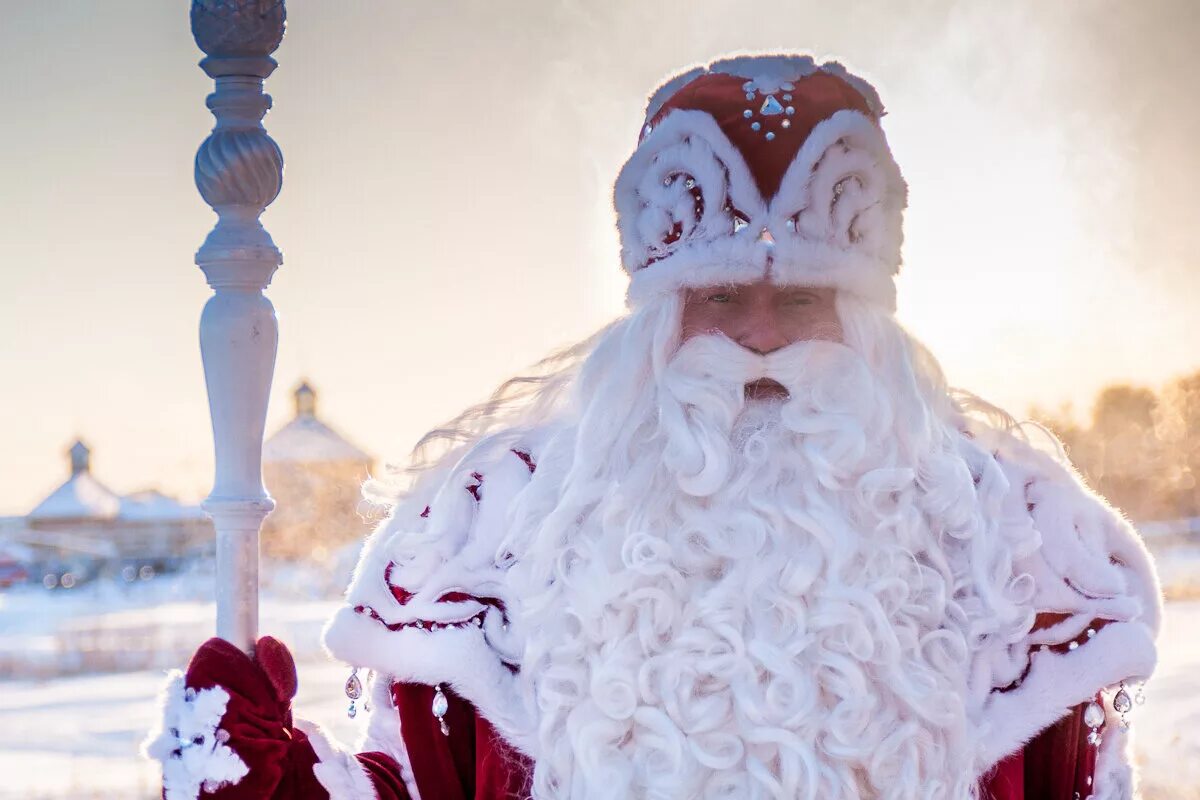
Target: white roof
(81, 497)
(307, 439)
(154, 505)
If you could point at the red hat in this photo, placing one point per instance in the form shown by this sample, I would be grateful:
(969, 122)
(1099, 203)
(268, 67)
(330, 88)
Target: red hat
(762, 166)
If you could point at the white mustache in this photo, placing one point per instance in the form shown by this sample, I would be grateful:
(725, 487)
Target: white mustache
(717, 357)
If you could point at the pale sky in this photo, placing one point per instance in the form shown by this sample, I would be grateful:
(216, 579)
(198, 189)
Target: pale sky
(446, 220)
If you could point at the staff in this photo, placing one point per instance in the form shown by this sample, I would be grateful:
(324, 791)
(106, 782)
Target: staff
(239, 172)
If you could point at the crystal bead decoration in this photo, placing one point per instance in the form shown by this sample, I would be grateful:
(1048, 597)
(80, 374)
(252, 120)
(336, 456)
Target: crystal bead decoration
(770, 135)
(1122, 702)
(771, 106)
(1093, 715)
(739, 223)
(747, 113)
(754, 126)
(440, 706)
(353, 691)
(353, 686)
(1094, 738)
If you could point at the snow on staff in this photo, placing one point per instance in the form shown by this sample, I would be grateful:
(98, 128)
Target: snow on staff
(239, 172)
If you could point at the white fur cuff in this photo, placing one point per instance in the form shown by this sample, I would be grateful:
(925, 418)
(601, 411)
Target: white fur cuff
(189, 744)
(337, 770)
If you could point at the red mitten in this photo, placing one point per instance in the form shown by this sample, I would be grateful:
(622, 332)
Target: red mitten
(227, 727)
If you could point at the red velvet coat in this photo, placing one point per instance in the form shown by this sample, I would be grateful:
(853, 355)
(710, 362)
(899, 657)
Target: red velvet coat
(472, 761)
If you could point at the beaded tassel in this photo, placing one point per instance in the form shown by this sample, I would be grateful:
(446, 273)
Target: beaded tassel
(353, 691)
(440, 706)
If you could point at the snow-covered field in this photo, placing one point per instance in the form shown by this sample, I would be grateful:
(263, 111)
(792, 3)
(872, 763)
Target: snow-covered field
(78, 736)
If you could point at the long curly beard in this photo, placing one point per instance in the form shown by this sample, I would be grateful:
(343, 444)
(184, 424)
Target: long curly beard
(750, 600)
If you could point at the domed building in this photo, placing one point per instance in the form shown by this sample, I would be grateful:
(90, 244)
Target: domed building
(315, 475)
(84, 521)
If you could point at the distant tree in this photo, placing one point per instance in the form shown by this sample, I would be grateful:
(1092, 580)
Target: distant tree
(1178, 424)
(1125, 457)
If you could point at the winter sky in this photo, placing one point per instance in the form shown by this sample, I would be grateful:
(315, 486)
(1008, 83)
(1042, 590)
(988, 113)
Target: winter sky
(445, 215)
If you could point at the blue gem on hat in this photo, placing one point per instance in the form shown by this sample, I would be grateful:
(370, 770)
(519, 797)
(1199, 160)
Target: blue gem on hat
(771, 107)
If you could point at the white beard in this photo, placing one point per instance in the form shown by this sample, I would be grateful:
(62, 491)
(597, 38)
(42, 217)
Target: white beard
(750, 600)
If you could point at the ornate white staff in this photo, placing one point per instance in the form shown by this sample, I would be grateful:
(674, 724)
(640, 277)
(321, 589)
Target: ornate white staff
(239, 171)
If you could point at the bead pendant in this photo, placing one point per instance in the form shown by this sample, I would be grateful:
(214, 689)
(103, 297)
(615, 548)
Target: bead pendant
(353, 686)
(440, 706)
(1122, 701)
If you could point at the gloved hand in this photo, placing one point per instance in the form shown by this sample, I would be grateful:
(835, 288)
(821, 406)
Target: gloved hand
(227, 728)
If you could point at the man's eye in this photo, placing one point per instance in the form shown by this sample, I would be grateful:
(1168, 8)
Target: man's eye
(719, 297)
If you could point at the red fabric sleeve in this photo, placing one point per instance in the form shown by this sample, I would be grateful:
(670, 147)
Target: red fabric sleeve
(472, 762)
(1057, 764)
(1060, 764)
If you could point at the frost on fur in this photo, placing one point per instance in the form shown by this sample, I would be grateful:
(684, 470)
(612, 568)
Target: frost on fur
(189, 744)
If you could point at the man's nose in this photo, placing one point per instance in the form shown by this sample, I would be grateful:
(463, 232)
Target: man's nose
(763, 334)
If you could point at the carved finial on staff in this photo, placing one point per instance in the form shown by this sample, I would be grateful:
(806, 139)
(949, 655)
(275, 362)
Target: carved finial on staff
(239, 172)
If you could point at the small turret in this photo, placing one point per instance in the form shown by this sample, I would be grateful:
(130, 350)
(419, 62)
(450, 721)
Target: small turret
(81, 457)
(305, 400)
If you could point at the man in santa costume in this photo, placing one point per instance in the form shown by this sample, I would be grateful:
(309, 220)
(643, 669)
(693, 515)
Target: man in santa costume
(742, 543)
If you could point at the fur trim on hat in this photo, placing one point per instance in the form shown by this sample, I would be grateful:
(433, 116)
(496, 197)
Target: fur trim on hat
(689, 213)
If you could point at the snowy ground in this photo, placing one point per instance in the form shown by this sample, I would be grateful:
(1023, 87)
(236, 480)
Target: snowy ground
(78, 736)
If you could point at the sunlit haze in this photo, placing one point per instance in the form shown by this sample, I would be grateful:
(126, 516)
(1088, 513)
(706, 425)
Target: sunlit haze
(446, 212)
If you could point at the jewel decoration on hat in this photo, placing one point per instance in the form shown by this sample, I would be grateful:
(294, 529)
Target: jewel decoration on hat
(770, 106)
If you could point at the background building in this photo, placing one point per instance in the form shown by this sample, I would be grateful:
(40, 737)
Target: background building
(83, 528)
(315, 474)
